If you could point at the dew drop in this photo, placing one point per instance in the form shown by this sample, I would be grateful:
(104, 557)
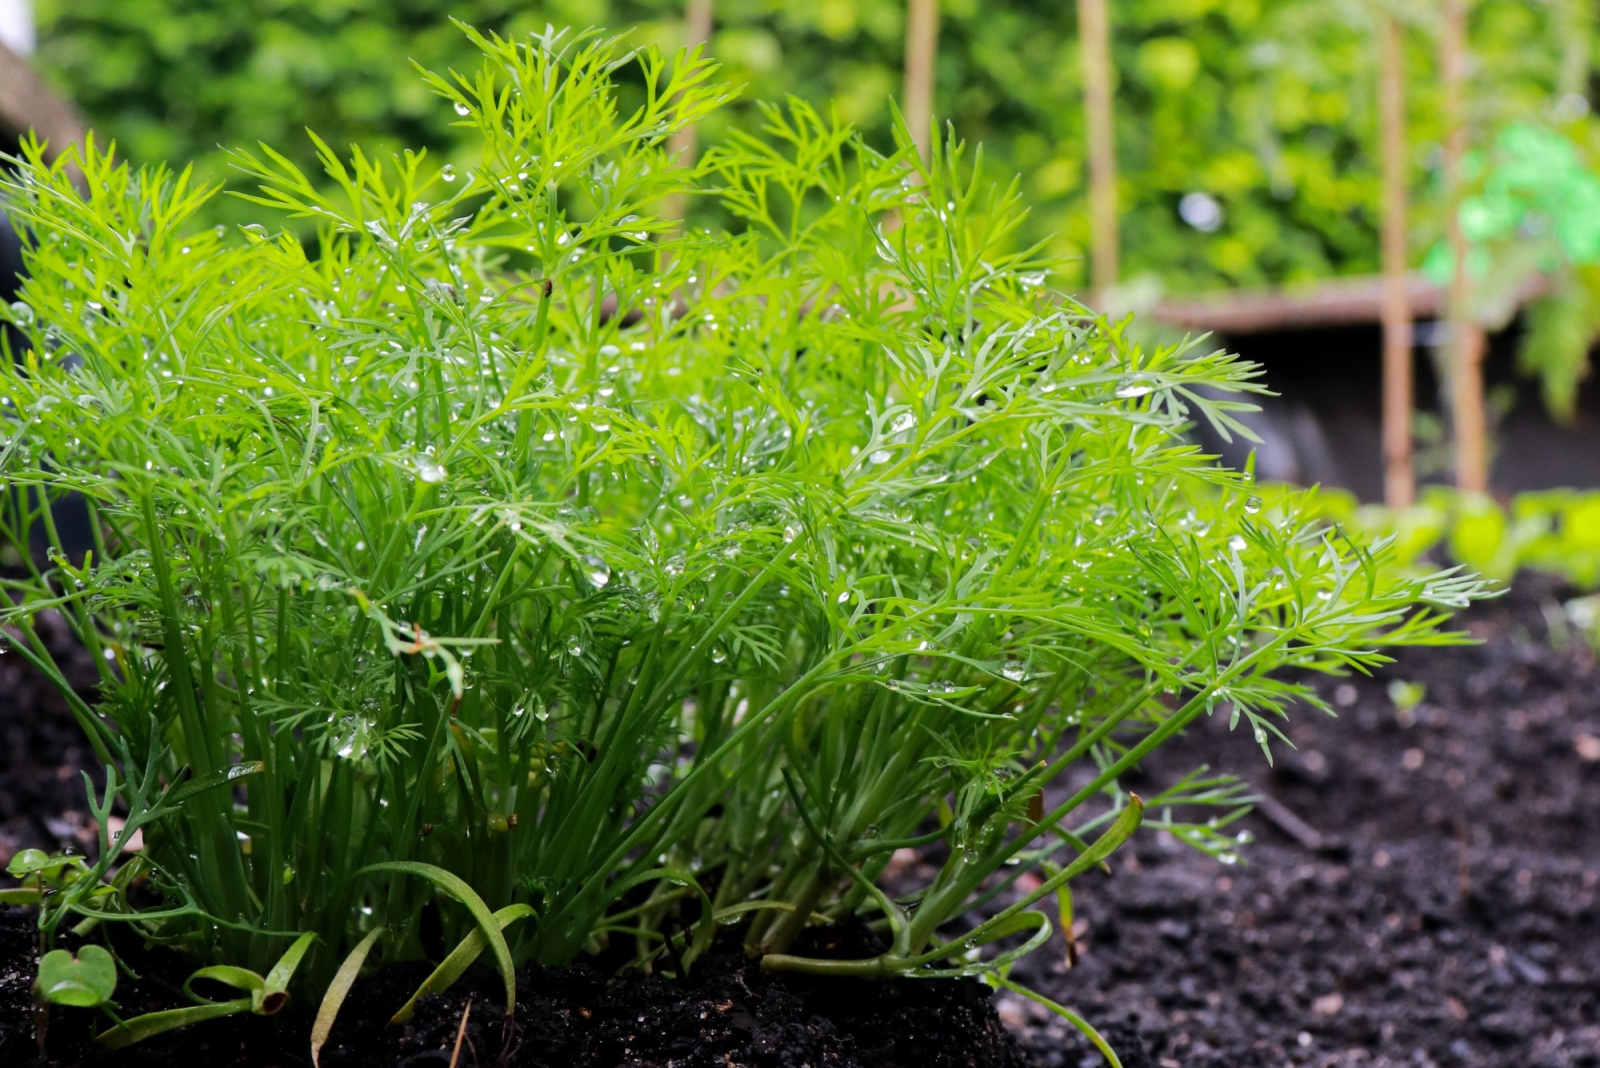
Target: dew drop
(428, 469)
(351, 736)
(1130, 386)
(597, 571)
(462, 109)
(1014, 670)
(880, 456)
(574, 647)
(1252, 505)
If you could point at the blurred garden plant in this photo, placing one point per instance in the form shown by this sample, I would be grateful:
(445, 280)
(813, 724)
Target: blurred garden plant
(1262, 110)
(604, 582)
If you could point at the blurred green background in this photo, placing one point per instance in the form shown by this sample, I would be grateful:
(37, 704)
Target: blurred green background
(1266, 107)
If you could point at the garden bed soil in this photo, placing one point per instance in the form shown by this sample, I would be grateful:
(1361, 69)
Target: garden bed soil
(1447, 918)
(725, 1014)
(1422, 892)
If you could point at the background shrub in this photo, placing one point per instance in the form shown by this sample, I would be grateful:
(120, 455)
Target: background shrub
(1265, 107)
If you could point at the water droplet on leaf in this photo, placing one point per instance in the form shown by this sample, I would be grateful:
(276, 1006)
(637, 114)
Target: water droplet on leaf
(1130, 386)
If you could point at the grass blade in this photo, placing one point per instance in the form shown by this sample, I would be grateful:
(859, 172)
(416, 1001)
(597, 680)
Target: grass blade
(338, 990)
(457, 888)
(1083, 1026)
(460, 959)
(151, 1024)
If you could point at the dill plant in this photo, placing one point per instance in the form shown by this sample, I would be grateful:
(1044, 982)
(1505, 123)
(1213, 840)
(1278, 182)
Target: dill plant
(515, 546)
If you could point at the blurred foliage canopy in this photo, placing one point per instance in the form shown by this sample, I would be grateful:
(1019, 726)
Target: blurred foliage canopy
(1263, 106)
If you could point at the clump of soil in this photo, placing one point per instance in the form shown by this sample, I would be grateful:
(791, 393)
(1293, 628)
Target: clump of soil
(1446, 917)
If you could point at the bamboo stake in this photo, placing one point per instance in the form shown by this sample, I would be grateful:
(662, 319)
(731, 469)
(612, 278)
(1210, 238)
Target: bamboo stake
(1466, 338)
(1094, 42)
(1399, 478)
(1575, 24)
(922, 50)
(696, 31)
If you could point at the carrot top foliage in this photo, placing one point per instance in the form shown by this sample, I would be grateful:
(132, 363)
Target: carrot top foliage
(515, 548)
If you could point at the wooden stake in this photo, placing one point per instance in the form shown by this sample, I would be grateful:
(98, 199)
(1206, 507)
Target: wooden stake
(696, 31)
(1575, 26)
(1466, 338)
(1094, 42)
(922, 51)
(1399, 479)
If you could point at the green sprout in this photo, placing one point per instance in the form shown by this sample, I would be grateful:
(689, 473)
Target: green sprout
(85, 981)
(609, 582)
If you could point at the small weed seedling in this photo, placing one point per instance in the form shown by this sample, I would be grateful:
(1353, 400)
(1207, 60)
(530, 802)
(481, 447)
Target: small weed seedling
(605, 581)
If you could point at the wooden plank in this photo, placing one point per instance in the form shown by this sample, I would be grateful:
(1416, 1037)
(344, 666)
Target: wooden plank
(1336, 302)
(1353, 301)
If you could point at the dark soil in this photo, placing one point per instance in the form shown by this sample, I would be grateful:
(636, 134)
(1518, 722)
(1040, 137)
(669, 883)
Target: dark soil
(1448, 918)
(43, 802)
(727, 1014)
(1441, 911)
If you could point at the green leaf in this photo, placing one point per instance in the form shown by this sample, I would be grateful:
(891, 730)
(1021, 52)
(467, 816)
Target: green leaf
(457, 888)
(338, 990)
(85, 981)
(451, 968)
(277, 982)
(155, 1023)
(228, 975)
(1083, 1026)
(220, 777)
(28, 861)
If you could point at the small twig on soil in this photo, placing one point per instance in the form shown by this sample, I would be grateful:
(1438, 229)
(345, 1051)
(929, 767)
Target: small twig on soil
(1280, 816)
(1463, 860)
(461, 1032)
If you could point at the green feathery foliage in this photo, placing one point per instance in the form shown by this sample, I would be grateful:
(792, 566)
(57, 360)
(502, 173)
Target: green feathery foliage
(626, 580)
